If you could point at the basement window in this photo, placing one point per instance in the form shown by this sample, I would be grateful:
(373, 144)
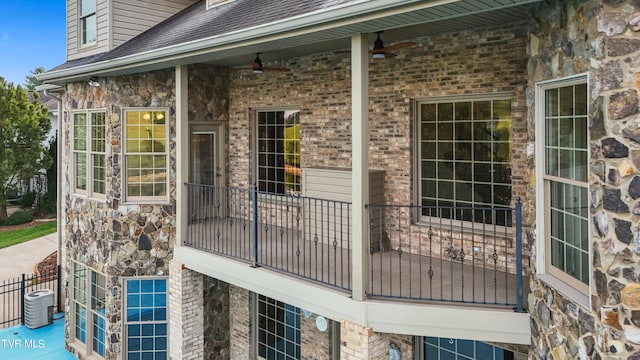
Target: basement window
(146, 323)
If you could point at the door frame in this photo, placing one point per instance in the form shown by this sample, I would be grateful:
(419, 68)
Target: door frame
(218, 128)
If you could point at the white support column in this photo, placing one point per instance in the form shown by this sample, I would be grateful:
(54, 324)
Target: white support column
(182, 152)
(360, 162)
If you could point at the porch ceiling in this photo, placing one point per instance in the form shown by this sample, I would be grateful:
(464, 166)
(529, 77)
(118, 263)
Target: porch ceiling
(302, 35)
(448, 17)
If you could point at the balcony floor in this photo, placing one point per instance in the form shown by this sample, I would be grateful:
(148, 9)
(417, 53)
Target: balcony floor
(393, 274)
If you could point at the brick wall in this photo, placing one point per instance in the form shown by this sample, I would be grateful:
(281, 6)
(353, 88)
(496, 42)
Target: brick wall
(315, 344)
(186, 313)
(461, 63)
(240, 320)
(362, 343)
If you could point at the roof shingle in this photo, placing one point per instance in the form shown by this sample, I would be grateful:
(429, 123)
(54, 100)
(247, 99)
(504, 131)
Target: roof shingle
(196, 22)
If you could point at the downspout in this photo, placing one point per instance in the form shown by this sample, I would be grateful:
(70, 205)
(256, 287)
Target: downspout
(59, 177)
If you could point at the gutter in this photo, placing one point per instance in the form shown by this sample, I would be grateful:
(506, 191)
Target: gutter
(348, 14)
(59, 236)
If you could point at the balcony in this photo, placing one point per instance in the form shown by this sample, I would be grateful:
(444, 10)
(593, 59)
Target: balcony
(445, 255)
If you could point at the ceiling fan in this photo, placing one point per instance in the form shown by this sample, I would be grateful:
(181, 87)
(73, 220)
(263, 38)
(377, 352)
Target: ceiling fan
(257, 68)
(379, 51)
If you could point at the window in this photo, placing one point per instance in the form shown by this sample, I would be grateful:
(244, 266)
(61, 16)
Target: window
(146, 156)
(563, 165)
(445, 348)
(88, 23)
(464, 148)
(146, 321)
(89, 309)
(278, 151)
(278, 330)
(89, 142)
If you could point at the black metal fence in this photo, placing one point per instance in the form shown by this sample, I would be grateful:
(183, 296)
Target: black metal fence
(13, 292)
(447, 254)
(450, 254)
(298, 235)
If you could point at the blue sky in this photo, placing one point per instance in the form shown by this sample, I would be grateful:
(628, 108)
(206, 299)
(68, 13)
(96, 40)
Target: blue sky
(32, 34)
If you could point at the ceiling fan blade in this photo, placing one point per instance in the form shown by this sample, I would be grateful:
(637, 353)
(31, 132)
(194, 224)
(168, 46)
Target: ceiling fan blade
(393, 47)
(389, 55)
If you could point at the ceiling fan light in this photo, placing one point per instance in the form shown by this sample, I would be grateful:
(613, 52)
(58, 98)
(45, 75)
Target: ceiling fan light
(378, 45)
(257, 69)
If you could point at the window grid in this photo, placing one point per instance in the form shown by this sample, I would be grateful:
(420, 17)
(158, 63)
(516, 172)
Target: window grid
(278, 330)
(80, 150)
(146, 320)
(146, 154)
(98, 155)
(89, 156)
(459, 349)
(89, 308)
(278, 152)
(88, 21)
(465, 157)
(98, 312)
(565, 176)
(80, 300)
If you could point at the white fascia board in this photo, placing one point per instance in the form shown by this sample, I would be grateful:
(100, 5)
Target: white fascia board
(48, 87)
(338, 16)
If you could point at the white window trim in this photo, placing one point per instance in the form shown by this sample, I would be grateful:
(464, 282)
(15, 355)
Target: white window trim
(126, 322)
(580, 297)
(88, 193)
(87, 347)
(160, 200)
(501, 231)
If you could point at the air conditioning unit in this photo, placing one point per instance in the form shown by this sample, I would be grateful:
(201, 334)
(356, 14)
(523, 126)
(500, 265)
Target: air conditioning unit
(38, 308)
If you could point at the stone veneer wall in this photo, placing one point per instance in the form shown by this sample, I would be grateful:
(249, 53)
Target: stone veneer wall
(216, 319)
(599, 38)
(117, 239)
(113, 238)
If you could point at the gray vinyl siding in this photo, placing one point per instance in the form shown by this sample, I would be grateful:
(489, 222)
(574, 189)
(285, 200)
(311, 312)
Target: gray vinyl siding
(117, 22)
(131, 18)
(75, 49)
(72, 28)
(335, 184)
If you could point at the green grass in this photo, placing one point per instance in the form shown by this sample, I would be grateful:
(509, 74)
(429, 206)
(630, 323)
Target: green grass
(19, 236)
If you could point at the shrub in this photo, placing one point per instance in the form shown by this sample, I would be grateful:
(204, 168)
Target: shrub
(27, 199)
(48, 203)
(18, 217)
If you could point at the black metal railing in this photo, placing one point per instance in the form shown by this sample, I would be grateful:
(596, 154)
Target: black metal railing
(303, 236)
(467, 255)
(13, 292)
(462, 255)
